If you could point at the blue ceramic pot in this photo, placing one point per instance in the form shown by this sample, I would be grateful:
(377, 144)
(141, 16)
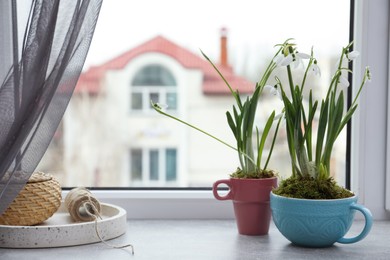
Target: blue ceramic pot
(317, 223)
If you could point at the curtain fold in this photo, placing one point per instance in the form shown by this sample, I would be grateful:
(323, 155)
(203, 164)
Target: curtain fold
(38, 87)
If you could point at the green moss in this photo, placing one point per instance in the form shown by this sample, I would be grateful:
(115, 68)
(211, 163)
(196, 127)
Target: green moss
(311, 188)
(254, 175)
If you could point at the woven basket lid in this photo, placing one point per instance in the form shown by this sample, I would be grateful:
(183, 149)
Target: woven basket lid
(39, 177)
(39, 199)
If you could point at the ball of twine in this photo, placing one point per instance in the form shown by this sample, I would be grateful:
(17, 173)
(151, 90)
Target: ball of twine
(82, 206)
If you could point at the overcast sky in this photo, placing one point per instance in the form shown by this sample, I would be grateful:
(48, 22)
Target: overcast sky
(255, 26)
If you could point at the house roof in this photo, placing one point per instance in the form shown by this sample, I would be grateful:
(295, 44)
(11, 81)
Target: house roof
(91, 79)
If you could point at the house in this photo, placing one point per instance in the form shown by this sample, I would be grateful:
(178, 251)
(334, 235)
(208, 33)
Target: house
(114, 137)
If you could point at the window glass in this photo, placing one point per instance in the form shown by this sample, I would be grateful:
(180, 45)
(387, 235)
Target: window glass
(136, 101)
(157, 57)
(171, 164)
(136, 165)
(154, 75)
(155, 97)
(171, 101)
(154, 165)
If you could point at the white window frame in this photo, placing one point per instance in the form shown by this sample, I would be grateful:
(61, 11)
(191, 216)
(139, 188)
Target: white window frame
(388, 137)
(6, 29)
(369, 135)
(368, 145)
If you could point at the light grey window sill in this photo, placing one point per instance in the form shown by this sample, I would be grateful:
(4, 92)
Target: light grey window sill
(211, 239)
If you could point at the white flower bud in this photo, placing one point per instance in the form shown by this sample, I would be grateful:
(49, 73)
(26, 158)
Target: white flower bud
(352, 55)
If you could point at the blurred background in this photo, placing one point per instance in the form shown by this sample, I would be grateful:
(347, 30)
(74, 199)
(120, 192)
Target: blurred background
(150, 50)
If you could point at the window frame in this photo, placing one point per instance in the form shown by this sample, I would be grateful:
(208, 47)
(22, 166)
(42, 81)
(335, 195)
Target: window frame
(368, 17)
(6, 60)
(368, 152)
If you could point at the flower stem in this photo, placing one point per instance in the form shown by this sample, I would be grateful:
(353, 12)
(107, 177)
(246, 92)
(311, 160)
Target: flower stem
(158, 109)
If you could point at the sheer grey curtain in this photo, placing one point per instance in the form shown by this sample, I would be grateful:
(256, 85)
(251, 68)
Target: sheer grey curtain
(39, 84)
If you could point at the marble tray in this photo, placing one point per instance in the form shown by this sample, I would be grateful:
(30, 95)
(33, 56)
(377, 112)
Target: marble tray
(60, 230)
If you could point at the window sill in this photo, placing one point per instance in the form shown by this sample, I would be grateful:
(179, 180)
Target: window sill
(177, 204)
(167, 204)
(211, 239)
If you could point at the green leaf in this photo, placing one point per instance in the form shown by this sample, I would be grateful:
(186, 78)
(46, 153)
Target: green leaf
(323, 172)
(231, 123)
(308, 126)
(334, 124)
(264, 135)
(303, 161)
(238, 99)
(346, 118)
(322, 125)
(239, 135)
(273, 143)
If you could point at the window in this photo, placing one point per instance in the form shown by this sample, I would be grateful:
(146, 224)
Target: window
(154, 75)
(161, 62)
(369, 162)
(153, 82)
(153, 166)
(368, 146)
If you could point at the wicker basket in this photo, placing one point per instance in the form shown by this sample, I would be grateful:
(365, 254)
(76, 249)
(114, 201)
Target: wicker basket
(37, 201)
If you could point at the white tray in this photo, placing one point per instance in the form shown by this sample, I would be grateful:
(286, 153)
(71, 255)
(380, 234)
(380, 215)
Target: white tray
(60, 230)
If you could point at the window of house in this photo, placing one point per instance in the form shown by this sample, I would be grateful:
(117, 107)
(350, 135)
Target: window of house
(156, 83)
(153, 165)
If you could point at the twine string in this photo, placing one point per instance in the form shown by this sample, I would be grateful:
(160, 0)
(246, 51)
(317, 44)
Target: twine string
(95, 214)
(82, 207)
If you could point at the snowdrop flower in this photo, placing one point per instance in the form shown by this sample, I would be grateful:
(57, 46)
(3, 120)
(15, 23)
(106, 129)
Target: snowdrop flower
(343, 81)
(296, 62)
(315, 69)
(163, 106)
(277, 60)
(271, 89)
(274, 91)
(282, 60)
(297, 59)
(287, 60)
(278, 116)
(368, 72)
(303, 56)
(160, 106)
(352, 55)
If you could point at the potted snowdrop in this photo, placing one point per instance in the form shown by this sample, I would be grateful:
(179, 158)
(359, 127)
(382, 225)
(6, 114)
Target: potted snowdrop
(309, 208)
(251, 183)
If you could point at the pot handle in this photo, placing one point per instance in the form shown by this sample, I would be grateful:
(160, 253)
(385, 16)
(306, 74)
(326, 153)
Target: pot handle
(228, 196)
(367, 227)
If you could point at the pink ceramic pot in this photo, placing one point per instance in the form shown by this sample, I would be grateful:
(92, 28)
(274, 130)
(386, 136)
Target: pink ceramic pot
(251, 198)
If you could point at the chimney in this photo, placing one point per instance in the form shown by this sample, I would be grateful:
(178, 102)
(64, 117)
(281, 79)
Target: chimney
(224, 58)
